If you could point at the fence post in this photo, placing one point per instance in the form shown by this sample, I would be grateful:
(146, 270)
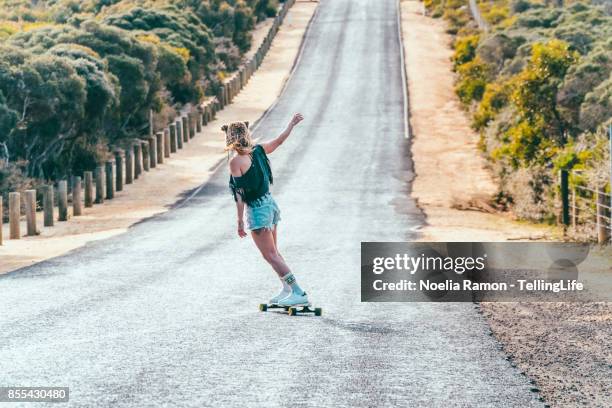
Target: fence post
(30, 208)
(185, 129)
(574, 208)
(564, 197)
(192, 124)
(119, 170)
(110, 179)
(100, 185)
(602, 227)
(159, 143)
(152, 151)
(173, 142)
(205, 115)
(146, 155)
(62, 200)
(166, 143)
(179, 134)
(198, 116)
(48, 196)
(129, 165)
(89, 196)
(14, 214)
(137, 160)
(77, 205)
(151, 128)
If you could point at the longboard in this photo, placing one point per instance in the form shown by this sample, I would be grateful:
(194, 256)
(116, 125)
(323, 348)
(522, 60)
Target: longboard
(293, 310)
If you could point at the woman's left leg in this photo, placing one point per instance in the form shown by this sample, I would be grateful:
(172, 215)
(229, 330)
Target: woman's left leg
(264, 240)
(275, 234)
(292, 293)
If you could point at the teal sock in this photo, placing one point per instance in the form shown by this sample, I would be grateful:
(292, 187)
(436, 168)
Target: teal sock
(289, 279)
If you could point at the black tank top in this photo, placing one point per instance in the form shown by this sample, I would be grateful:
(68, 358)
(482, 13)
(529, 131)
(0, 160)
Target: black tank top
(255, 182)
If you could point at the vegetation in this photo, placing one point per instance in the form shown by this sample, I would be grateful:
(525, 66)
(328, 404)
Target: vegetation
(538, 84)
(78, 76)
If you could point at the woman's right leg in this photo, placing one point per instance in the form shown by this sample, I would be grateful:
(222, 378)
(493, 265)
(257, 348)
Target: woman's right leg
(265, 242)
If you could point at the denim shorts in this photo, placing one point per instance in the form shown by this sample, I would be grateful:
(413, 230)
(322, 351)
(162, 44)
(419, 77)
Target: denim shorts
(262, 213)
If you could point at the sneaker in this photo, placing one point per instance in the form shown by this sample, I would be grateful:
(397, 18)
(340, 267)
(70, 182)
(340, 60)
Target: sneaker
(282, 294)
(295, 300)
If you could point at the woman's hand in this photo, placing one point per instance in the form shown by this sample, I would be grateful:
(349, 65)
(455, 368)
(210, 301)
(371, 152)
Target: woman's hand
(241, 231)
(297, 118)
(273, 144)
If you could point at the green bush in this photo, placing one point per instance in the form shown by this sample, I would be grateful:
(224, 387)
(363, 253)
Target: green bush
(76, 76)
(473, 77)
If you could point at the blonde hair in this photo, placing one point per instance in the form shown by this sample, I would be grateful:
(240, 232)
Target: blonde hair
(238, 137)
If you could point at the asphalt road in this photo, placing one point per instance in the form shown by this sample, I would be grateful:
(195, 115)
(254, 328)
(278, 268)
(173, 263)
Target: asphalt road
(166, 314)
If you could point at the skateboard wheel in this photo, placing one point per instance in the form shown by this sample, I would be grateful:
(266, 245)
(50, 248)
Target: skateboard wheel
(318, 311)
(292, 311)
(263, 307)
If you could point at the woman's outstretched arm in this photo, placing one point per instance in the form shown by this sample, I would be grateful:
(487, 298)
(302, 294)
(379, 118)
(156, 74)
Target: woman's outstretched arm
(273, 144)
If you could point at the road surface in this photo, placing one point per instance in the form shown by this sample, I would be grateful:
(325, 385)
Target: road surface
(166, 314)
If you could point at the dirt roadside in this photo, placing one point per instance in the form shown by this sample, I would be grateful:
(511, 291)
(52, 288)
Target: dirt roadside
(444, 147)
(159, 188)
(562, 347)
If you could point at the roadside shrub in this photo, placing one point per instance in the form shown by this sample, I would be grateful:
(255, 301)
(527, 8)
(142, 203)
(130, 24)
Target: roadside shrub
(531, 192)
(465, 49)
(472, 81)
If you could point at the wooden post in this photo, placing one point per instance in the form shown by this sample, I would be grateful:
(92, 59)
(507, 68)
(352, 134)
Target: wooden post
(48, 196)
(100, 182)
(192, 124)
(220, 98)
(574, 208)
(198, 118)
(129, 166)
(137, 159)
(603, 233)
(110, 179)
(14, 214)
(205, 115)
(565, 220)
(185, 129)
(159, 142)
(119, 170)
(166, 143)
(30, 208)
(77, 204)
(89, 194)
(179, 134)
(173, 143)
(151, 128)
(146, 156)
(152, 151)
(62, 200)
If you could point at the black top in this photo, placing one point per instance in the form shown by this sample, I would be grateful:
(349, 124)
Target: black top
(255, 183)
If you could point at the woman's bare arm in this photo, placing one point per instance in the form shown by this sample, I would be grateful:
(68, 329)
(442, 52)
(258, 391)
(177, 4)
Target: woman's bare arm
(273, 144)
(237, 172)
(240, 212)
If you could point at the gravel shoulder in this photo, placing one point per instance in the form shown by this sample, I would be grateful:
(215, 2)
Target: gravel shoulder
(160, 188)
(563, 347)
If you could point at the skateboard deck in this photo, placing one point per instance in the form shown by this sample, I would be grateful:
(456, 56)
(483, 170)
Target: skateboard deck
(292, 310)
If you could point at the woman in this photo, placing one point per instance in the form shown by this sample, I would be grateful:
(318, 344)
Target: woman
(250, 181)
